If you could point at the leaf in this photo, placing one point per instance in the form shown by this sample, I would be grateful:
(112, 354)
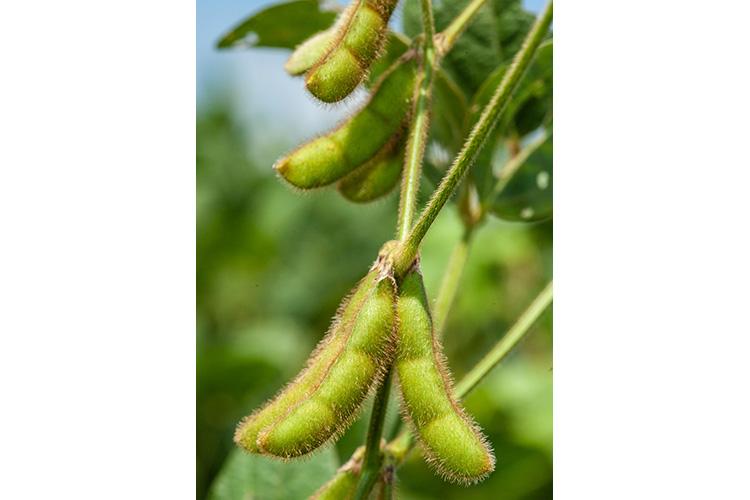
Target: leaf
(448, 112)
(284, 25)
(527, 196)
(248, 477)
(531, 106)
(492, 37)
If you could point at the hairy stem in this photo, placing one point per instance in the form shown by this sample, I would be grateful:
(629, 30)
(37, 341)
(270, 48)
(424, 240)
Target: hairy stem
(373, 457)
(476, 140)
(401, 445)
(520, 328)
(415, 148)
(417, 140)
(451, 278)
(450, 34)
(513, 164)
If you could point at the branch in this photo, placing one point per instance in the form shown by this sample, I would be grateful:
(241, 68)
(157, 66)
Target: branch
(521, 327)
(474, 143)
(450, 281)
(415, 147)
(450, 34)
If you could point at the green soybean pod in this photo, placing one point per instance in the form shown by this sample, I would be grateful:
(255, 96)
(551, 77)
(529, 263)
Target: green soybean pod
(320, 360)
(309, 52)
(328, 158)
(344, 483)
(452, 442)
(335, 401)
(360, 37)
(377, 177)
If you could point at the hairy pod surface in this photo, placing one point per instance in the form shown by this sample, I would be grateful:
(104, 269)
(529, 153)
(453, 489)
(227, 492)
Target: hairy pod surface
(320, 360)
(328, 158)
(452, 442)
(377, 177)
(366, 349)
(344, 483)
(309, 52)
(359, 38)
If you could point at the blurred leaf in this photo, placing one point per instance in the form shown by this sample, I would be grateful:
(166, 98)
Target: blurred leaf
(284, 25)
(528, 195)
(448, 112)
(532, 104)
(493, 36)
(246, 476)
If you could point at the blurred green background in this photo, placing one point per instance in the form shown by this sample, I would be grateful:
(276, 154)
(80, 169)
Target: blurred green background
(273, 265)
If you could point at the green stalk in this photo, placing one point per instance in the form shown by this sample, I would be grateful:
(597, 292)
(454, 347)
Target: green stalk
(520, 328)
(451, 278)
(476, 140)
(373, 457)
(415, 147)
(417, 140)
(450, 34)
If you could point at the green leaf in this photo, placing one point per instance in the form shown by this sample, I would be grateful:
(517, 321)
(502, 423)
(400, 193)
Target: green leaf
(531, 106)
(531, 103)
(244, 476)
(493, 36)
(527, 196)
(284, 25)
(448, 112)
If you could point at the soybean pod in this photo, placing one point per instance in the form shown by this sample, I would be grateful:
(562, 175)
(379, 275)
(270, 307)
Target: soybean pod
(360, 36)
(330, 157)
(377, 177)
(320, 360)
(309, 52)
(327, 410)
(452, 442)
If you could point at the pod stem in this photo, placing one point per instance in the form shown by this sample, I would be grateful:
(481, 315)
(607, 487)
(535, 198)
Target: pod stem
(450, 34)
(451, 278)
(473, 145)
(400, 447)
(417, 139)
(415, 148)
(373, 456)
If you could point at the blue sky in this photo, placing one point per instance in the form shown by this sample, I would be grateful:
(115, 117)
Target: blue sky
(247, 75)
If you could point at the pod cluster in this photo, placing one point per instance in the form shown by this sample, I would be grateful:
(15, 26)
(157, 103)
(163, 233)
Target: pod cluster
(335, 61)
(364, 153)
(383, 323)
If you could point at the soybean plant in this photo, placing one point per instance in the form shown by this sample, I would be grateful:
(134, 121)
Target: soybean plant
(384, 330)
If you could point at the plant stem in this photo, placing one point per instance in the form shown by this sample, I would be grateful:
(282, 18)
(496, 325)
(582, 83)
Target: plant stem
(373, 457)
(476, 140)
(415, 147)
(450, 34)
(402, 444)
(513, 164)
(417, 139)
(451, 279)
(519, 329)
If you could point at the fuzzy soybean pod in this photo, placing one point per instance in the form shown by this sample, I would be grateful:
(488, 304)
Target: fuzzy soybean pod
(360, 37)
(377, 177)
(358, 366)
(452, 442)
(309, 52)
(328, 158)
(317, 366)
